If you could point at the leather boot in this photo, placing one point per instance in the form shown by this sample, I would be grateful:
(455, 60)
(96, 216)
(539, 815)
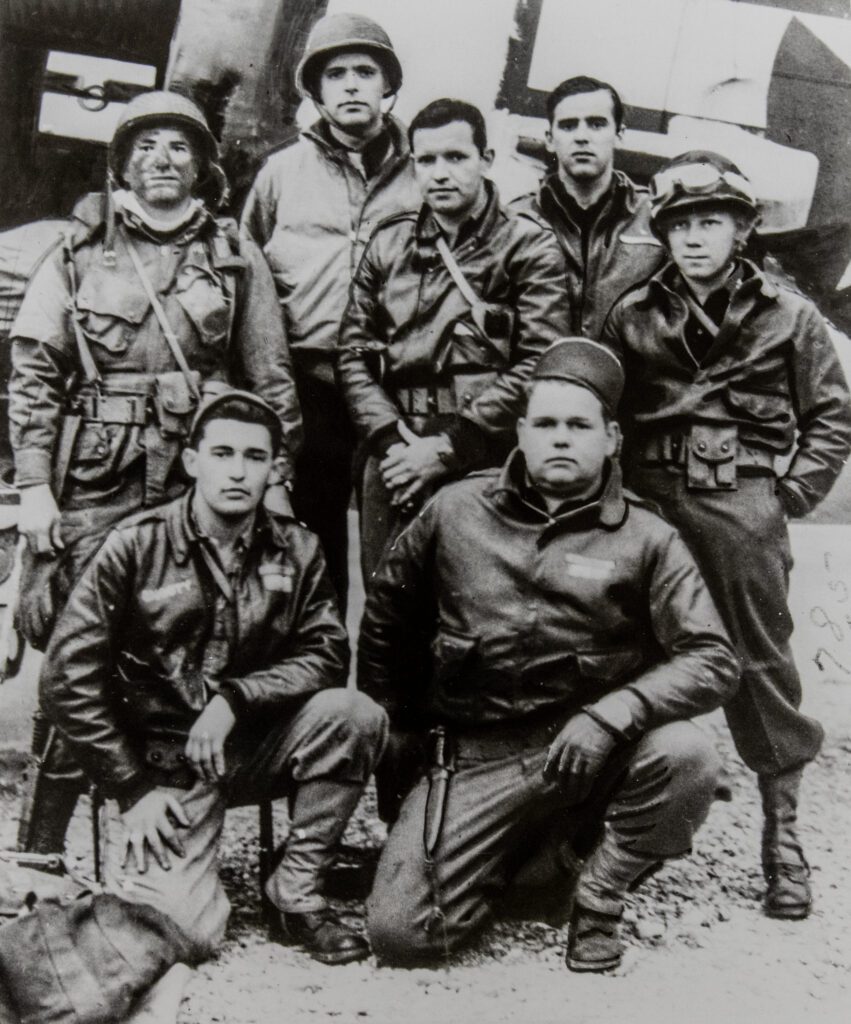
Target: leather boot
(593, 937)
(786, 871)
(320, 813)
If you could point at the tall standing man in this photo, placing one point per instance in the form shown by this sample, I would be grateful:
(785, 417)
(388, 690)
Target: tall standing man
(450, 307)
(727, 373)
(200, 662)
(601, 218)
(312, 209)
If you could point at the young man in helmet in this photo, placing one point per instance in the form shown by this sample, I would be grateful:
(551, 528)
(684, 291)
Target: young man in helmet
(600, 216)
(312, 209)
(149, 299)
(726, 374)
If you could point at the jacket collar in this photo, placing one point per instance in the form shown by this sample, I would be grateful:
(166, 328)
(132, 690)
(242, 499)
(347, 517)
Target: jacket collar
(752, 282)
(607, 510)
(428, 230)
(622, 196)
(183, 535)
(400, 150)
(90, 214)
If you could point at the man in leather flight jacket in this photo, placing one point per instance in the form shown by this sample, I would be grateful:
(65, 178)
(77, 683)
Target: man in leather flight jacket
(432, 357)
(727, 373)
(599, 215)
(571, 639)
(201, 662)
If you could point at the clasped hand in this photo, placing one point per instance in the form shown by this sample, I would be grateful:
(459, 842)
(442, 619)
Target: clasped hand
(412, 464)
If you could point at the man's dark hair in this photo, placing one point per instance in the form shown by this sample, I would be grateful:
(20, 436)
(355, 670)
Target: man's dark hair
(582, 84)
(243, 411)
(442, 112)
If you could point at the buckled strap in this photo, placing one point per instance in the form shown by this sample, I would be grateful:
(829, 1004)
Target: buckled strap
(104, 407)
(426, 401)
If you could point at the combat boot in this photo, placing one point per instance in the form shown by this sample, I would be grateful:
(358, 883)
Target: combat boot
(320, 812)
(788, 895)
(593, 936)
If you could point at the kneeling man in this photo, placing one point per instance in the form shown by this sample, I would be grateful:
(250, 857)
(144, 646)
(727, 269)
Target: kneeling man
(571, 637)
(201, 662)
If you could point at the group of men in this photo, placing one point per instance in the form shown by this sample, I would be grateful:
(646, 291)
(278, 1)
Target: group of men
(536, 639)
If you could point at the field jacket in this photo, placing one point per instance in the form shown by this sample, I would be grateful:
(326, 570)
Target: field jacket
(130, 658)
(312, 212)
(622, 250)
(219, 300)
(772, 374)
(523, 614)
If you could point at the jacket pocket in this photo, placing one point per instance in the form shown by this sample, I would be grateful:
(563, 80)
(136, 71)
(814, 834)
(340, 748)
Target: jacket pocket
(763, 404)
(111, 309)
(98, 451)
(204, 302)
(609, 666)
(452, 651)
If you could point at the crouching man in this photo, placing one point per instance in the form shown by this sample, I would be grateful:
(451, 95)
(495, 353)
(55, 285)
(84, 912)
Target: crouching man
(201, 663)
(572, 637)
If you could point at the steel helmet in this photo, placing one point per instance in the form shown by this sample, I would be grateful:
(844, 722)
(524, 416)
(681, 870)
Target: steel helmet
(337, 32)
(171, 109)
(696, 178)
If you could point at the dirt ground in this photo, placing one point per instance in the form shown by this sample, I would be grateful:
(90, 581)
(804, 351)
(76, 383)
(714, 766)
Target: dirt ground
(700, 951)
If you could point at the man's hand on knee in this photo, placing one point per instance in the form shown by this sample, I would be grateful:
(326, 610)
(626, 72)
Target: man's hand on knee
(151, 825)
(205, 747)
(576, 756)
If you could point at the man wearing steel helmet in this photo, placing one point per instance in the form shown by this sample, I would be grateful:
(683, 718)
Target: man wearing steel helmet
(220, 680)
(600, 216)
(571, 638)
(312, 209)
(149, 300)
(726, 374)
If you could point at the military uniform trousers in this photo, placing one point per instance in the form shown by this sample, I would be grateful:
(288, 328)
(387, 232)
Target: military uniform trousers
(740, 541)
(336, 735)
(653, 795)
(323, 474)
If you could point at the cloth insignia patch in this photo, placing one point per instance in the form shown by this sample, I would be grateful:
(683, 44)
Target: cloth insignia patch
(276, 577)
(589, 568)
(167, 592)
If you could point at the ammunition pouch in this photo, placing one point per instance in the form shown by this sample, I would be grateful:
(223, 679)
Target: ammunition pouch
(711, 457)
(710, 454)
(175, 403)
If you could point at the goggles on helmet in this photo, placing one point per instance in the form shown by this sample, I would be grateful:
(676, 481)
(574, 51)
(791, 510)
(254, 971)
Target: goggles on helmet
(700, 179)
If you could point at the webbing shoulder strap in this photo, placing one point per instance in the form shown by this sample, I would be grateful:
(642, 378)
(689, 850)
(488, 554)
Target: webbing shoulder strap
(87, 360)
(159, 312)
(697, 311)
(457, 275)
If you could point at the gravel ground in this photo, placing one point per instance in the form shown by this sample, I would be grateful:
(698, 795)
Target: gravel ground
(700, 950)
